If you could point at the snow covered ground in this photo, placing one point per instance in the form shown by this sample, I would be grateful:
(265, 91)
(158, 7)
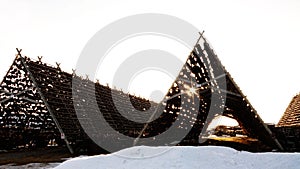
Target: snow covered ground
(143, 157)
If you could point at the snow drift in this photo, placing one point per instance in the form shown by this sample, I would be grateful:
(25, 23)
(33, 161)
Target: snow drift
(144, 157)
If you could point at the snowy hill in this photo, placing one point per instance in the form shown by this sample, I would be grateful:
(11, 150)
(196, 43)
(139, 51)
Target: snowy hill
(143, 157)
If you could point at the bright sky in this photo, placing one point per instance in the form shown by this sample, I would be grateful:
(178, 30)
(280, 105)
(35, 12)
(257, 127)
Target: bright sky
(257, 41)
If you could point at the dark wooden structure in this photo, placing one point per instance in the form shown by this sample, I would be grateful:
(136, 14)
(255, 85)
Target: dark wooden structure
(41, 102)
(288, 127)
(291, 116)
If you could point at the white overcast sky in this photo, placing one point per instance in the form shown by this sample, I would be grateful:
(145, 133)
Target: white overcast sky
(256, 40)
